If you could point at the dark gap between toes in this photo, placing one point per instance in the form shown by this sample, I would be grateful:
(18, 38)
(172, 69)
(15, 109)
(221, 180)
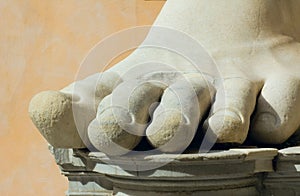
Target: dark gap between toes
(144, 145)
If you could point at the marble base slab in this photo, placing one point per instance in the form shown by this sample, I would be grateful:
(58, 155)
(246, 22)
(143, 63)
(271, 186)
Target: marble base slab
(286, 179)
(253, 171)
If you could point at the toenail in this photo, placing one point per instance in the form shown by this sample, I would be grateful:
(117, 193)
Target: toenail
(266, 117)
(186, 119)
(228, 113)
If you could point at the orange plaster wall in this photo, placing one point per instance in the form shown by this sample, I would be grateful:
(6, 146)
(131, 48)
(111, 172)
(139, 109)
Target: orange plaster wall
(41, 46)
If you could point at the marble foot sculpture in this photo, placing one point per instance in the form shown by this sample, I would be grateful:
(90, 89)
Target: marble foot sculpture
(252, 88)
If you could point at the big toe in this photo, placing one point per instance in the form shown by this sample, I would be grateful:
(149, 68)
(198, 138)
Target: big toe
(51, 112)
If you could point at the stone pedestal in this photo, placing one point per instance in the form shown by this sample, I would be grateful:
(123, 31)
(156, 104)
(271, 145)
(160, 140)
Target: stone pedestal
(286, 179)
(231, 172)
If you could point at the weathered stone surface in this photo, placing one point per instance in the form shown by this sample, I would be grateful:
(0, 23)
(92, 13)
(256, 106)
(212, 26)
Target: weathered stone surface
(63, 116)
(286, 179)
(251, 53)
(119, 128)
(176, 119)
(48, 110)
(236, 171)
(233, 172)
